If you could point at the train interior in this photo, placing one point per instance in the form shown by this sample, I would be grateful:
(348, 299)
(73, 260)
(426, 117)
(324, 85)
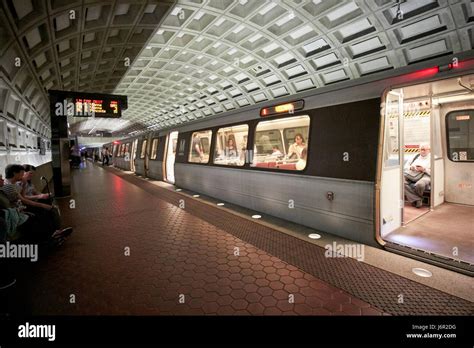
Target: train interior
(432, 124)
(170, 151)
(276, 143)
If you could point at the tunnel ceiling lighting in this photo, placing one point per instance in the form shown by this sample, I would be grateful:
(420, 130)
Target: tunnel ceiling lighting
(314, 236)
(255, 38)
(195, 196)
(282, 108)
(178, 190)
(267, 9)
(199, 15)
(238, 29)
(256, 216)
(219, 22)
(176, 11)
(220, 204)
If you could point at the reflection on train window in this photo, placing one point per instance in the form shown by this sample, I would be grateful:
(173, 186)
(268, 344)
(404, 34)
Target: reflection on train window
(154, 148)
(143, 152)
(200, 147)
(127, 148)
(182, 144)
(460, 129)
(121, 150)
(282, 143)
(231, 145)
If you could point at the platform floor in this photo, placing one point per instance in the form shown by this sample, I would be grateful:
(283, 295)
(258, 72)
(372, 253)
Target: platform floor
(189, 253)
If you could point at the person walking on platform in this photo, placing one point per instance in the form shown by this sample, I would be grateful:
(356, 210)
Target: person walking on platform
(105, 156)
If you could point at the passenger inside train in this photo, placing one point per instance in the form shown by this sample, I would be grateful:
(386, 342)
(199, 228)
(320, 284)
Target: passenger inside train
(200, 147)
(295, 150)
(288, 134)
(231, 145)
(417, 176)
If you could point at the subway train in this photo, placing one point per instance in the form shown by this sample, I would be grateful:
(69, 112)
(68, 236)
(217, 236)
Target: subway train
(334, 159)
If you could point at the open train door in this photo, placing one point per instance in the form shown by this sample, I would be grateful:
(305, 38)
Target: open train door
(170, 155)
(391, 189)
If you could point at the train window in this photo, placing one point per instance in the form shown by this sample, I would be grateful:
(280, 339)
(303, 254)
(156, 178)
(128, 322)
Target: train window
(143, 151)
(282, 143)
(154, 148)
(231, 144)
(200, 147)
(127, 148)
(460, 129)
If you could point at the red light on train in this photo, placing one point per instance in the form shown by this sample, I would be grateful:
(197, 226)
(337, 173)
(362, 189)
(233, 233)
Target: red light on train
(116, 142)
(287, 108)
(425, 72)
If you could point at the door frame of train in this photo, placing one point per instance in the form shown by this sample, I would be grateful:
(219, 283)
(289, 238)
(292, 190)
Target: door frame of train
(133, 155)
(389, 185)
(167, 170)
(147, 155)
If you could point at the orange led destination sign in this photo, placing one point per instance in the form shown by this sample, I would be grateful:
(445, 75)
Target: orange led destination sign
(97, 107)
(287, 108)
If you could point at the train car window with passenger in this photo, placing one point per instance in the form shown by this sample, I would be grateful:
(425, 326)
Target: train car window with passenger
(282, 143)
(154, 149)
(460, 129)
(143, 151)
(231, 145)
(200, 147)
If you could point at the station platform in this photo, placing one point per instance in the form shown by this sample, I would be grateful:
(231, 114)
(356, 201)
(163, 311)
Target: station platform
(138, 250)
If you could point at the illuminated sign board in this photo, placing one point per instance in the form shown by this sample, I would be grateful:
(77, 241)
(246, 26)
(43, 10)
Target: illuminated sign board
(84, 104)
(287, 108)
(97, 107)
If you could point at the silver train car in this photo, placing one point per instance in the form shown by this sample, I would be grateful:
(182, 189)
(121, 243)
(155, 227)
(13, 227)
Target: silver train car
(334, 158)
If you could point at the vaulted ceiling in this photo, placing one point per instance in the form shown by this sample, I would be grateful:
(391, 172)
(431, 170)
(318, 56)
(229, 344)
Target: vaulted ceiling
(191, 59)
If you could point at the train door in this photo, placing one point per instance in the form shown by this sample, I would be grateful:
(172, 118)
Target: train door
(133, 155)
(170, 155)
(147, 155)
(435, 123)
(391, 200)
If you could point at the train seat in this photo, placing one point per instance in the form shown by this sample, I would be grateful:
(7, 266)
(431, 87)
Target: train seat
(287, 166)
(262, 165)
